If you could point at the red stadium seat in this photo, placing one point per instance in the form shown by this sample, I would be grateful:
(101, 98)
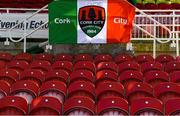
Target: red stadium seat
(149, 66)
(164, 4)
(175, 6)
(25, 89)
(155, 77)
(178, 58)
(129, 65)
(166, 91)
(172, 107)
(144, 58)
(175, 77)
(54, 89)
(122, 58)
(6, 57)
(102, 58)
(150, 6)
(172, 66)
(138, 90)
(44, 56)
(107, 66)
(24, 56)
(146, 107)
(81, 88)
(164, 58)
(64, 57)
(2, 65)
(79, 106)
(45, 106)
(57, 75)
(24, 3)
(130, 77)
(4, 89)
(106, 76)
(113, 106)
(63, 65)
(9, 75)
(85, 65)
(140, 6)
(13, 105)
(83, 57)
(18, 65)
(41, 65)
(84, 75)
(32, 74)
(109, 89)
(39, 5)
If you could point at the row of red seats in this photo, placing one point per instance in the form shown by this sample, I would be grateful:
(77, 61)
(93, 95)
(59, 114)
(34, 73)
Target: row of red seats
(42, 74)
(33, 4)
(23, 3)
(150, 70)
(66, 82)
(53, 96)
(29, 90)
(45, 66)
(12, 105)
(84, 106)
(87, 57)
(105, 70)
(152, 6)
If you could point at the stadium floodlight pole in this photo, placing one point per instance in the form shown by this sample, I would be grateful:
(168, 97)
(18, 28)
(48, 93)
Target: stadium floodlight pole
(158, 23)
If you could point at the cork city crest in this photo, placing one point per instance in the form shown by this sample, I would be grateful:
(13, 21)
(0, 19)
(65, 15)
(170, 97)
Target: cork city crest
(91, 19)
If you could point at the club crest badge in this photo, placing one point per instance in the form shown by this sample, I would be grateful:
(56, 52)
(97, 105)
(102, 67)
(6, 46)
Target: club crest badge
(92, 19)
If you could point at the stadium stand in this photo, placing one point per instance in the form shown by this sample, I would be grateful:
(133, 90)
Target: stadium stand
(90, 84)
(23, 3)
(158, 4)
(143, 4)
(47, 92)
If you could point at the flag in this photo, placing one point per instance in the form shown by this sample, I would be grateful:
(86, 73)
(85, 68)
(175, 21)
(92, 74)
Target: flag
(90, 21)
(134, 2)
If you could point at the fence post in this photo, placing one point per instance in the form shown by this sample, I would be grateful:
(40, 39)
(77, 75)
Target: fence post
(154, 41)
(177, 44)
(25, 32)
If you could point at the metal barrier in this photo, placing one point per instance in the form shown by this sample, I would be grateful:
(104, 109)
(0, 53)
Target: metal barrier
(160, 26)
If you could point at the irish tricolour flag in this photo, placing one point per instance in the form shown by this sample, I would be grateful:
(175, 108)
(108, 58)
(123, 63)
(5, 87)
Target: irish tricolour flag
(90, 21)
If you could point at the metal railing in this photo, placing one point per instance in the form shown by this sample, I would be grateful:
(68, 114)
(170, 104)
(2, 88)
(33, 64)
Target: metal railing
(159, 26)
(162, 26)
(24, 38)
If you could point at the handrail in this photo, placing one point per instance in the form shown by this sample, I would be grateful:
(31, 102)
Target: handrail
(143, 13)
(159, 24)
(35, 30)
(144, 31)
(177, 42)
(10, 37)
(25, 34)
(138, 26)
